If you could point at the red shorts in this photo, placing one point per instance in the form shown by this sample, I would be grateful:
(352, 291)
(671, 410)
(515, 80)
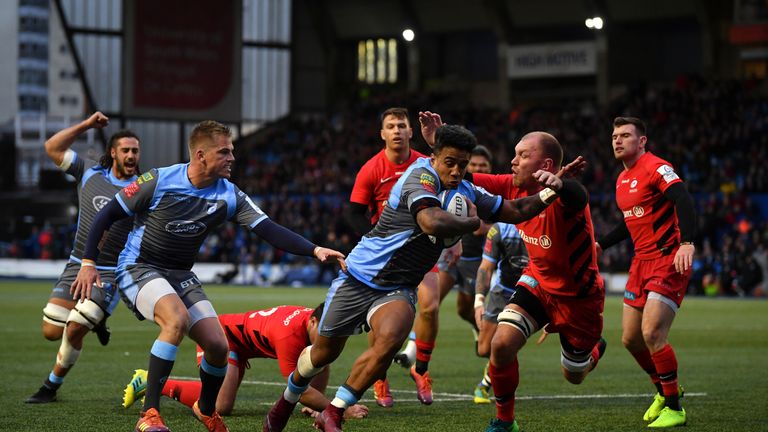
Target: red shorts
(578, 319)
(657, 275)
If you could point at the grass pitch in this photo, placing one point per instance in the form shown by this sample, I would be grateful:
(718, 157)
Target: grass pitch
(721, 344)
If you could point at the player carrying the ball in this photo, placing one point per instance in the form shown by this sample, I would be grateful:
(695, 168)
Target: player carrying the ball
(377, 292)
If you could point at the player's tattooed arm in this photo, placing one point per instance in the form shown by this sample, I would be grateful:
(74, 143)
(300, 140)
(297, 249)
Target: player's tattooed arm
(483, 280)
(521, 209)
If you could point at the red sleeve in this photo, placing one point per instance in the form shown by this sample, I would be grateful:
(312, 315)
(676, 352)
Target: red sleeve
(496, 184)
(288, 350)
(362, 191)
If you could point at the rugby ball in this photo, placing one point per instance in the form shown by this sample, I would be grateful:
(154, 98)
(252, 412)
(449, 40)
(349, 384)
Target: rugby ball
(456, 204)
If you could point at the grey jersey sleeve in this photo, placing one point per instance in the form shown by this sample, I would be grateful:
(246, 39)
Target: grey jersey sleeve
(421, 184)
(137, 196)
(247, 213)
(79, 166)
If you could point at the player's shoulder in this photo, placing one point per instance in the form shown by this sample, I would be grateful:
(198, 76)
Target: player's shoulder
(650, 162)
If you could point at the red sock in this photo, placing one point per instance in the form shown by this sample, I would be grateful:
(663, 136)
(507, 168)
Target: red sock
(186, 392)
(645, 361)
(424, 350)
(666, 367)
(504, 381)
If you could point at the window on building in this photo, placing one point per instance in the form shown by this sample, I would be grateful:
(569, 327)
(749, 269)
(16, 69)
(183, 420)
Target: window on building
(377, 61)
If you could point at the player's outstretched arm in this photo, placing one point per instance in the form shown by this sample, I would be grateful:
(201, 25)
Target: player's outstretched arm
(57, 145)
(287, 240)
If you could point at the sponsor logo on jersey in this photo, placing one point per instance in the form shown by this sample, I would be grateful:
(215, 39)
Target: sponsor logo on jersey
(638, 211)
(633, 184)
(144, 178)
(293, 314)
(131, 189)
(536, 240)
(428, 181)
(185, 228)
(212, 207)
(667, 173)
(99, 201)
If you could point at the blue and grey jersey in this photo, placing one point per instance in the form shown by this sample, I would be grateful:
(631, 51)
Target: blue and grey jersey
(396, 253)
(173, 217)
(505, 248)
(96, 187)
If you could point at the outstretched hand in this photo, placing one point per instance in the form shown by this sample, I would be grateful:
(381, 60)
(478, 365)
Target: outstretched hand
(325, 255)
(429, 122)
(573, 169)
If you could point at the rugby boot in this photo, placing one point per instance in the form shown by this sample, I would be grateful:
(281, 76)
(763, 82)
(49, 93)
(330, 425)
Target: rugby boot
(423, 386)
(330, 419)
(278, 415)
(151, 421)
(136, 388)
(382, 394)
(44, 394)
(481, 395)
(658, 404)
(498, 425)
(213, 422)
(669, 418)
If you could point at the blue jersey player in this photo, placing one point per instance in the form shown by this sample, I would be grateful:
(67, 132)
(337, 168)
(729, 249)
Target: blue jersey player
(376, 291)
(97, 183)
(175, 207)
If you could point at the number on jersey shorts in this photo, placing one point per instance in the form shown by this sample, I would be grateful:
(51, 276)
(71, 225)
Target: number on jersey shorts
(104, 297)
(350, 303)
(185, 283)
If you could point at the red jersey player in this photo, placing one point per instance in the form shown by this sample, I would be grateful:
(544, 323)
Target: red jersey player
(561, 287)
(369, 195)
(279, 333)
(659, 216)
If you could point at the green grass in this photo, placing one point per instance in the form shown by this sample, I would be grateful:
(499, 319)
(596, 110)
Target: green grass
(722, 349)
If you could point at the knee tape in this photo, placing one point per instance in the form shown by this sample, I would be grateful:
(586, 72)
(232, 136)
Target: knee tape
(517, 320)
(575, 364)
(55, 314)
(304, 366)
(67, 355)
(87, 313)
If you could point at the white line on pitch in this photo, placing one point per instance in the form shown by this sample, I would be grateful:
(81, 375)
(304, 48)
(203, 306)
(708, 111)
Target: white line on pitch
(445, 397)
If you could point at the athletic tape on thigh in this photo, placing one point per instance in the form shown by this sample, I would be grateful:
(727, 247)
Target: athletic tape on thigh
(55, 314)
(517, 320)
(149, 295)
(87, 313)
(572, 363)
(200, 310)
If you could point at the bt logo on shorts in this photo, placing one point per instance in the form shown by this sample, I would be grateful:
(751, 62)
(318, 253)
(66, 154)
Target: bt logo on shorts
(190, 282)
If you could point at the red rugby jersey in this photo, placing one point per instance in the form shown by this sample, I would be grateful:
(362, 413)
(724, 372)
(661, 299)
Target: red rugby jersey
(560, 242)
(376, 179)
(279, 333)
(650, 217)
